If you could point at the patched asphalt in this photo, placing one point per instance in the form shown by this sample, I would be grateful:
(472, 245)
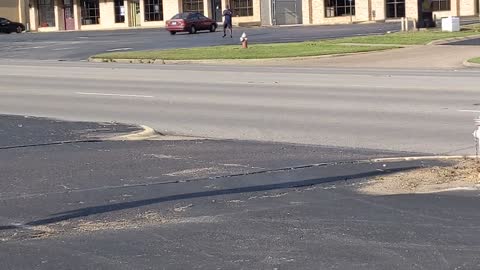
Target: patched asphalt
(215, 204)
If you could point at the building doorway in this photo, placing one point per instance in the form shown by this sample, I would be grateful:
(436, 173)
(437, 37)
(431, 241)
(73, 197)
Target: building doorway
(395, 9)
(68, 15)
(134, 13)
(287, 12)
(216, 10)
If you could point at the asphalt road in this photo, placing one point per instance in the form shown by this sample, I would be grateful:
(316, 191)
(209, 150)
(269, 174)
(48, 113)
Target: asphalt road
(81, 45)
(469, 42)
(400, 110)
(213, 204)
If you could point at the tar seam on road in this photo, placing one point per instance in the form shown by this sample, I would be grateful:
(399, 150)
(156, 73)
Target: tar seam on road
(285, 169)
(50, 143)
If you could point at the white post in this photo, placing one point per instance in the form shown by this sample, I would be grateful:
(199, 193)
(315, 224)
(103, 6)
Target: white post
(351, 13)
(406, 24)
(403, 24)
(476, 135)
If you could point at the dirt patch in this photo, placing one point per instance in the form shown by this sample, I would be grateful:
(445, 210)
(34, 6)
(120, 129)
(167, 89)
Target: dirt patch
(461, 175)
(80, 227)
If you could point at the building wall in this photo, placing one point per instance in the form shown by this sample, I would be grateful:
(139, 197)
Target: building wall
(266, 12)
(467, 7)
(107, 16)
(379, 10)
(318, 16)
(9, 10)
(313, 12)
(255, 18)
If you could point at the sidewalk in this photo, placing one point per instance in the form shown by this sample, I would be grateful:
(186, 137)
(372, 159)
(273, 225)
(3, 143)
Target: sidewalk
(428, 56)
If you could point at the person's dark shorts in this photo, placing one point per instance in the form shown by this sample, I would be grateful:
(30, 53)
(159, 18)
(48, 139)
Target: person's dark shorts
(227, 25)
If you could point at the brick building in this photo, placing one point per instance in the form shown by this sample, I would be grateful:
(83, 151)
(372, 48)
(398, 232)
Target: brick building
(57, 15)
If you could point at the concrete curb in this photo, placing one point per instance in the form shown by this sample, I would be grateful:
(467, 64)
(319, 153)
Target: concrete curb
(448, 40)
(397, 159)
(471, 65)
(150, 134)
(145, 134)
(227, 61)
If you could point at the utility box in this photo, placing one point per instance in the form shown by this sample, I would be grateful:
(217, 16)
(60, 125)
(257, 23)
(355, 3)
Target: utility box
(451, 24)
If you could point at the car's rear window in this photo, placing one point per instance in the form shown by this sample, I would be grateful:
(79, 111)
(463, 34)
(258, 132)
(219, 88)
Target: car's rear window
(180, 16)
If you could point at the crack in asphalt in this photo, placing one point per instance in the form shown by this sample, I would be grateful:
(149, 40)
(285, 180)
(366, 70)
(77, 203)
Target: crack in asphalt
(51, 143)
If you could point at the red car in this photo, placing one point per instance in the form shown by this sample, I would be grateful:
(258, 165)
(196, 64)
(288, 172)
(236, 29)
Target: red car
(190, 22)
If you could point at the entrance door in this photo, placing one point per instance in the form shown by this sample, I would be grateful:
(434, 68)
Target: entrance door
(395, 8)
(68, 15)
(216, 10)
(287, 12)
(134, 13)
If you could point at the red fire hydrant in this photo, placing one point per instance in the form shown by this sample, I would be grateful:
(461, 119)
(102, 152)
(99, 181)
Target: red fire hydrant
(244, 40)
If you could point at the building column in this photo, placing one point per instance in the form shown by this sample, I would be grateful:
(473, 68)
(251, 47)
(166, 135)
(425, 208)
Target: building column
(170, 8)
(126, 6)
(33, 14)
(207, 8)
(22, 11)
(59, 22)
(411, 7)
(59, 17)
(455, 7)
(142, 12)
(77, 14)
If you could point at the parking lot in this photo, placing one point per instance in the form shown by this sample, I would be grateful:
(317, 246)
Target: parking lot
(80, 45)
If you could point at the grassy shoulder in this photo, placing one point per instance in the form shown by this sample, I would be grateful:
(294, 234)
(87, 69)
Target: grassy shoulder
(409, 38)
(475, 60)
(260, 51)
(297, 49)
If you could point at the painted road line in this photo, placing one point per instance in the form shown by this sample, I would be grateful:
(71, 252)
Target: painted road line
(119, 49)
(472, 111)
(64, 49)
(114, 95)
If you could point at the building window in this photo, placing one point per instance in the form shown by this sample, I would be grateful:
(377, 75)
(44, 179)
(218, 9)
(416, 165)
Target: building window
(242, 8)
(334, 8)
(193, 6)
(90, 12)
(119, 11)
(395, 8)
(153, 10)
(441, 5)
(46, 13)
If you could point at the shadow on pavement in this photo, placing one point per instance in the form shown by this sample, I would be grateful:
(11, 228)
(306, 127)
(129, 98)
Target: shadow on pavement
(88, 211)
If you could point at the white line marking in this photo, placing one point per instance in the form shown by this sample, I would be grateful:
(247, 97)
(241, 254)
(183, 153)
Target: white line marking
(116, 95)
(473, 111)
(63, 49)
(119, 49)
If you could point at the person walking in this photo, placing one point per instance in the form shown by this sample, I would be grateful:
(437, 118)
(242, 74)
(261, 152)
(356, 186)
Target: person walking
(227, 22)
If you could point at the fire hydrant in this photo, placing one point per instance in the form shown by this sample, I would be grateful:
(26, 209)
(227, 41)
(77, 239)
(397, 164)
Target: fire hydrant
(244, 40)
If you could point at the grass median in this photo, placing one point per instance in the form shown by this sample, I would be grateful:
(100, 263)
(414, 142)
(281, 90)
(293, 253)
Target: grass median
(411, 38)
(294, 49)
(475, 60)
(260, 51)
